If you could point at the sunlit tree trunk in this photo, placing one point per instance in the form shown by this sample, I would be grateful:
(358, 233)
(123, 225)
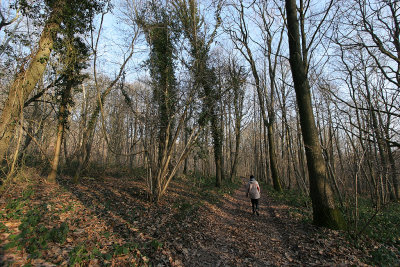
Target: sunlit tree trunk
(62, 118)
(26, 81)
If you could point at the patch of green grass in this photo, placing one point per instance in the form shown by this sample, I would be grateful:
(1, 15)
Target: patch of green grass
(3, 228)
(382, 226)
(384, 257)
(156, 245)
(66, 208)
(385, 227)
(124, 249)
(27, 193)
(34, 235)
(59, 234)
(107, 256)
(15, 207)
(106, 234)
(291, 198)
(78, 255)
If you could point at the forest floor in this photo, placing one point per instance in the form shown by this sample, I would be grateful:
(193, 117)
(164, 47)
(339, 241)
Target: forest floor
(109, 221)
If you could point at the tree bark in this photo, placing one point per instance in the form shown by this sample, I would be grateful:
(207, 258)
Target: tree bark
(272, 158)
(26, 81)
(57, 149)
(217, 141)
(325, 212)
(62, 119)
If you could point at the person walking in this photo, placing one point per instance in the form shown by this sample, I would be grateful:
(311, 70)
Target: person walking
(253, 191)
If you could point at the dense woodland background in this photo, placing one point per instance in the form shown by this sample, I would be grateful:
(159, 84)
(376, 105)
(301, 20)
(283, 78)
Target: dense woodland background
(206, 89)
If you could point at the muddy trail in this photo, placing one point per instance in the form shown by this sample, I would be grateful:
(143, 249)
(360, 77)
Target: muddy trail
(111, 223)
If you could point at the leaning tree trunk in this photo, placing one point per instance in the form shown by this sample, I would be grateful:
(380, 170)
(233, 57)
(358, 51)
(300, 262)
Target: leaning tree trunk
(325, 212)
(26, 81)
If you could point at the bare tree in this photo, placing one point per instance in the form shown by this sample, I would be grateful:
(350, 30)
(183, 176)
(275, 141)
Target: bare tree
(89, 131)
(325, 212)
(242, 41)
(236, 80)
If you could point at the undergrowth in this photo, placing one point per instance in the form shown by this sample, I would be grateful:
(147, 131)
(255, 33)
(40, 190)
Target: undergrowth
(23, 177)
(205, 186)
(40, 228)
(34, 234)
(299, 204)
(383, 226)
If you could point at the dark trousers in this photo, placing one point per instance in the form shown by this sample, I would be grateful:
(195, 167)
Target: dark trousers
(254, 205)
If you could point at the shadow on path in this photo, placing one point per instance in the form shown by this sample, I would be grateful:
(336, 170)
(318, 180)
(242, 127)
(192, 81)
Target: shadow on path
(226, 234)
(236, 237)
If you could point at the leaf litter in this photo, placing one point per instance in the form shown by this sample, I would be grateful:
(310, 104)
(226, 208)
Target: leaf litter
(112, 222)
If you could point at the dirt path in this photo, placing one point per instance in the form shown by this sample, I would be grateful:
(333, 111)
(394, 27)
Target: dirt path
(185, 229)
(232, 236)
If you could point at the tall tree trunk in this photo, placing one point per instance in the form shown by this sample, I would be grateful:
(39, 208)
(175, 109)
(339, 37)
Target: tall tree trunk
(237, 79)
(204, 74)
(86, 145)
(325, 212)
(217, 135)
(57, 149)
(268, 124)
(393, 174)
(26, 81)
(238, 119)
(300, 152)
(62, 119)
(186, 162)
(272, 158)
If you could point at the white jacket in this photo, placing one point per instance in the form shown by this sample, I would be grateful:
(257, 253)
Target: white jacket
(253, 189)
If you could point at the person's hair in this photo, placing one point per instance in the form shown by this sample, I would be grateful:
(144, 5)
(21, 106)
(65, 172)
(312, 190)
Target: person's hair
(251, 176)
